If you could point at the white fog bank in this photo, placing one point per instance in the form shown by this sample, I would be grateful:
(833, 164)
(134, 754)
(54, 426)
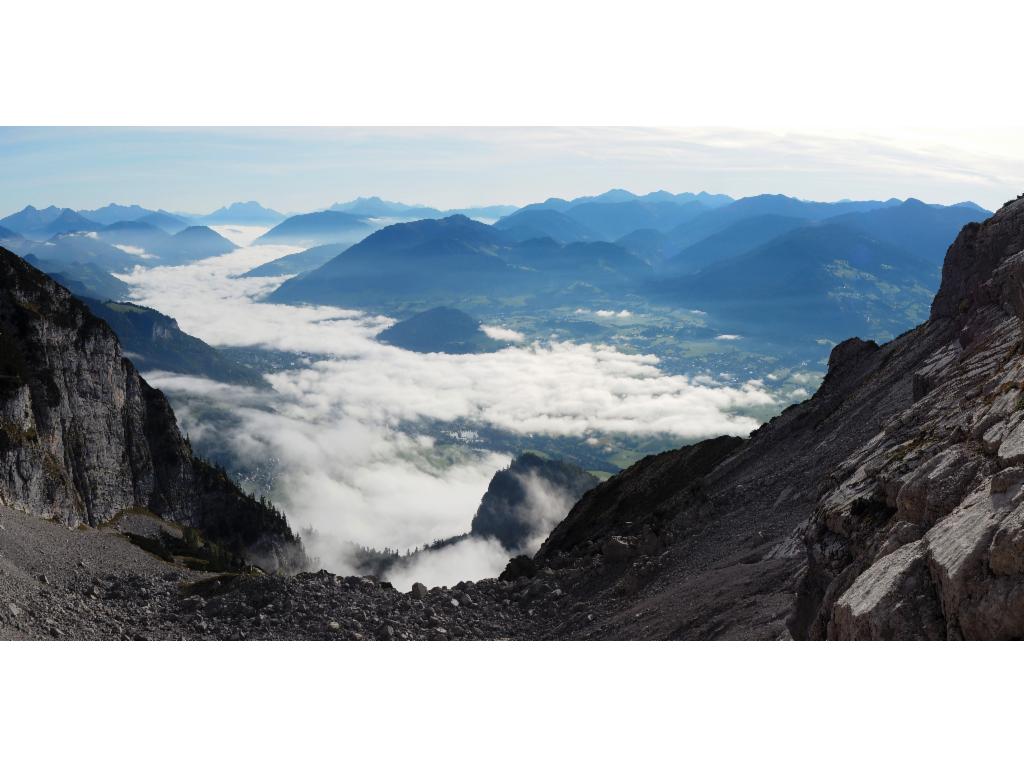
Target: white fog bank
(341, 431)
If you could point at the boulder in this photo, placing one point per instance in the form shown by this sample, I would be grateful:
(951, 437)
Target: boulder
(958, 548)
(891, 600)
(618, 549)
(519, 567)
(418, 591)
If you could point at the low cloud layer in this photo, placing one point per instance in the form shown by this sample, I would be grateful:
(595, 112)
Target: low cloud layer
(341, 432)
(544, 506)
(622, 313)
(502, 334)
(349, 481)
(554, 388)
(467, 560)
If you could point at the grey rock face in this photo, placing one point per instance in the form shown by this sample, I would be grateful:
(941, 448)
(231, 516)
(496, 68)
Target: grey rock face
(920, 532)
(877, 606)
(84, 437)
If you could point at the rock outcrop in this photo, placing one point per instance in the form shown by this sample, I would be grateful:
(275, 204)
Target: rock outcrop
(83, 437)
(524, 500)
(918, 533)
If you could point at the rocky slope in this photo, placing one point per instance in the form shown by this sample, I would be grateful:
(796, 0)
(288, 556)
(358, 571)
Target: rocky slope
(919, 533)
(94, 584)
(889, 505)
(84, 438)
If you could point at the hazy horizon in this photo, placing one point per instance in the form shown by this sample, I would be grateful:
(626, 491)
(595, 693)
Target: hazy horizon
(198, 170)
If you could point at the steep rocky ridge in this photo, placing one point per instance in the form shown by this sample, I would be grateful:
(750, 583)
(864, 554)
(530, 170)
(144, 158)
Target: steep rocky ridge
(920, 532)
(889, 505)
(83, 437)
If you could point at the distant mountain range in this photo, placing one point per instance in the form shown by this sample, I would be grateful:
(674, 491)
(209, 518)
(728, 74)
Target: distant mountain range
(543, 222)
(923, 230)
(113, 212)
(609, 216)
(84, 280)
(190, 244)
(612, 220)
(735, 240)
(454, 260)
(320, 228)
(625, 196)
(297, 263)
(67, 222)
(42, 224)
(375, 207)
(682, 220)
(421, 259)
(251, 213)
(769, 264)
(168, 222)
(714, 221)
(31, 219)
(825, 279)
(143, 244)
(74, 249)
(852, 266)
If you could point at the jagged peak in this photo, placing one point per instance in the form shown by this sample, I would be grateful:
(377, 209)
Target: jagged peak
(974, 256)
(849, 350)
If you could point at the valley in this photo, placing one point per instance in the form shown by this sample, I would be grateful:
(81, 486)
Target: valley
(372, 396)
(446, 443)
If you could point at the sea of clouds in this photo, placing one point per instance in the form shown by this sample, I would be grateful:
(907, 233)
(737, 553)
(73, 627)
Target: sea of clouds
(340, 429)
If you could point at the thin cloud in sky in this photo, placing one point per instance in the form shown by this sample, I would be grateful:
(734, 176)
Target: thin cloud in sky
(303, 169)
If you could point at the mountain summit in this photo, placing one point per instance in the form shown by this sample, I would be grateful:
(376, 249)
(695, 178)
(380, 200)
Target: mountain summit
(243, 213)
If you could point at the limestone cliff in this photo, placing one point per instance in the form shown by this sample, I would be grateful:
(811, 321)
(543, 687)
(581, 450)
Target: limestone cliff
(84, 437)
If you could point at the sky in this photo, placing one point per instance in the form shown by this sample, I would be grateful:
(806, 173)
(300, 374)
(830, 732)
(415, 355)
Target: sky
(196, 170)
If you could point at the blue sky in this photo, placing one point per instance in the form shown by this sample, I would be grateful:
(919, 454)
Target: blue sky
(301, 169)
